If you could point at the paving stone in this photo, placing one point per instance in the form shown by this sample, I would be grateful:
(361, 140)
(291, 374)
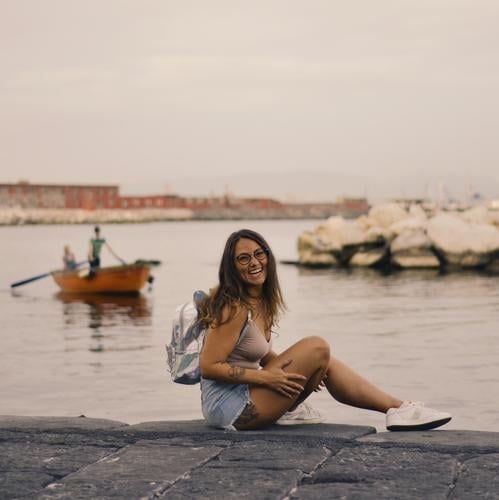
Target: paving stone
(298, 433)
(272, 456)
(64, 438)
(454, 441)
(402, 473)
(136, 471)
(479, 478)
(216, 484)
(62, 424)
(389, 490)
(149, 462)
(55, 460)
(187, 441)
(101, 490)
(18, 484)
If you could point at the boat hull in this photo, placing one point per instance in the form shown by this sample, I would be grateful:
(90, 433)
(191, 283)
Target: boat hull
(118, 279)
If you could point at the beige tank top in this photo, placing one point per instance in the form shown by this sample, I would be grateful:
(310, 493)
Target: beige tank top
(251, 347)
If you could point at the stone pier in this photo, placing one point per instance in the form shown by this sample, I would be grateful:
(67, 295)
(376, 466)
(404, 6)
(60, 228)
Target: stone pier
(86, 458)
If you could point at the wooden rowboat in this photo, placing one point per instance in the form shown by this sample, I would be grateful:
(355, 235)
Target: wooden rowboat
(129, 278)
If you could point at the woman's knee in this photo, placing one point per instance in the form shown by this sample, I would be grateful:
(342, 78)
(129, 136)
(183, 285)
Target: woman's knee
(318, 346)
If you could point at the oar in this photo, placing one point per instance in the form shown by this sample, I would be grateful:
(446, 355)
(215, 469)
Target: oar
(40, 276)
(148, 262)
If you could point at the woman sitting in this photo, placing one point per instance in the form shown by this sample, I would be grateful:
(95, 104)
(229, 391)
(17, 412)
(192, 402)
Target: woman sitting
(245, 384)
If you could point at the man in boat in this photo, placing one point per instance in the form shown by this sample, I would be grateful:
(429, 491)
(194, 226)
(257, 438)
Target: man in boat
(94, 250)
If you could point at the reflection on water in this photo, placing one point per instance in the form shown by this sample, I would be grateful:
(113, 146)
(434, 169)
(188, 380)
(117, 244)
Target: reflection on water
(102, 313)
(399, 277)
(368, 273)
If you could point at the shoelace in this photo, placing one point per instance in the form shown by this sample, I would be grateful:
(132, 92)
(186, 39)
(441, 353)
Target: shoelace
(415, 403)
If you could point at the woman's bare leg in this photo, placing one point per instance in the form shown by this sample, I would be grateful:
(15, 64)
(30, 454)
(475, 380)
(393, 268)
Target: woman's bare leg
(309, 357)
(348, 387)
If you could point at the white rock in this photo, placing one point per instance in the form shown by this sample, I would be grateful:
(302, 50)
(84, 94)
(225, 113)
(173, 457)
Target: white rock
(416, 210)
(363, 222)
(386, 215)
(313, 250)
(325, 239)
(411, 250)
(344, 232)
(494, 217)
(410, 239)
(368, 258)
(416, 223)
(377, 233)
(476, 215)
(420, 259)
(452, 234)
(467, 239)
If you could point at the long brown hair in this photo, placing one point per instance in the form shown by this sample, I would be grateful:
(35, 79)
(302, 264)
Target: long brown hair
(232, 291)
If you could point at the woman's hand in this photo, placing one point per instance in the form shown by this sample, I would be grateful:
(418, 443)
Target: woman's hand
(285, 383)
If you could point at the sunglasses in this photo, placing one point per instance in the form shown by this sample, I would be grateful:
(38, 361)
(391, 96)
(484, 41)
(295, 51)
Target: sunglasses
(245, 258)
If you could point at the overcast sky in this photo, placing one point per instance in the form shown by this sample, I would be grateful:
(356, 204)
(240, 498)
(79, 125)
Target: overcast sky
(293, 99)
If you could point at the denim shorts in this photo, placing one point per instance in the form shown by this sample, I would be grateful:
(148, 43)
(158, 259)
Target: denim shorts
(223, 403)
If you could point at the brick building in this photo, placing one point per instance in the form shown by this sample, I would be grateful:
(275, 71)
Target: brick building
(92, 197)
(26, 195)
(151, 201)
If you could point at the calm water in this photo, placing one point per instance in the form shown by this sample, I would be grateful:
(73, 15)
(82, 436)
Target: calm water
(417, 334)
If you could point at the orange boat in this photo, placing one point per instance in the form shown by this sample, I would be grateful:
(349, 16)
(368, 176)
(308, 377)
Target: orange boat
(129, 278)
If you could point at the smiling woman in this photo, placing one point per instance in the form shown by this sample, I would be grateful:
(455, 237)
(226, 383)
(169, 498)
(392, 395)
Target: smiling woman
(245, 384)
(252, 264)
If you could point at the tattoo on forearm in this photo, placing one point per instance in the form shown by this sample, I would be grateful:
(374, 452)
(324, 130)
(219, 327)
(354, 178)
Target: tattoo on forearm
(248, 415)
(236, 372)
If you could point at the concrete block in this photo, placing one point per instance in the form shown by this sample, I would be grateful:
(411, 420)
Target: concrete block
(452, 441)
(55, 460)
(271, 456)
(22, 483)
(384, 473)
(237, 483)
(61, 424)
(135, 471)
(296, 433)
(479, 478)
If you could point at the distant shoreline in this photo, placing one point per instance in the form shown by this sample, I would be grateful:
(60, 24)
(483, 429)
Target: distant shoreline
(21, 217)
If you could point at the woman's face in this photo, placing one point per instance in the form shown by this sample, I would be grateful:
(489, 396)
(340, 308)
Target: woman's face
(251, 262)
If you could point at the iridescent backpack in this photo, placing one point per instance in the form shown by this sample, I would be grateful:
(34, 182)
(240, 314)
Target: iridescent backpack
(186, 342)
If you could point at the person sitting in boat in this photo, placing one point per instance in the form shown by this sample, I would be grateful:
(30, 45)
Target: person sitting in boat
(245, 384)
(95, 248)
(68, 258)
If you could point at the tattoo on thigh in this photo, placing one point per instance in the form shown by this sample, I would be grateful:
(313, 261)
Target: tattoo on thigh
(248, 415)
(236, 372)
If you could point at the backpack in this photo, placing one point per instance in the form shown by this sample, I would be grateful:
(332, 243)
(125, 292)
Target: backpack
(186, 342)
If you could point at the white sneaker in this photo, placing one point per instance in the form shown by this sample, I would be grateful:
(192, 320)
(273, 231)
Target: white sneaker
(302, 414)
(414, 416)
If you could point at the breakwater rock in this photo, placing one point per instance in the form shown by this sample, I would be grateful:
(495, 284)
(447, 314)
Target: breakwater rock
(392, 237)
(20, 216)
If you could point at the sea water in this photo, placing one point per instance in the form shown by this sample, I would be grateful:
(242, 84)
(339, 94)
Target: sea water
(420, 335)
